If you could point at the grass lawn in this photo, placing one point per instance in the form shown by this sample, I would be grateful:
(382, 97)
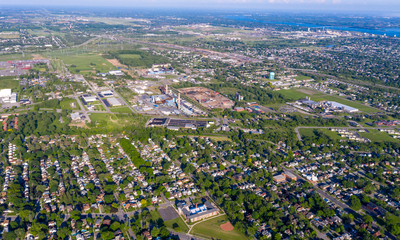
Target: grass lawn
(85, 61)
(376, 136)
(216, 138)
(9, 82)
(301, 78)
(121, 110)
(230, 91)
(66, 104)
(309, 132)
(293, 94)
(134, 56)
(17, 56)
(359, 106)
(113, 121)
(211, 230)
(179, 221)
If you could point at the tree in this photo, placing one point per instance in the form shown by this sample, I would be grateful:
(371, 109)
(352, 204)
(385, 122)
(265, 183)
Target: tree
(155, 231)
(10, 236)
(367, 219)
(115, 225)
(355, 203)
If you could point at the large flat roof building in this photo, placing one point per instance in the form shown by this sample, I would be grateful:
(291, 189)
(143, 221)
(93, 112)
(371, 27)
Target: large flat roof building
(114, 102)
(197, 212)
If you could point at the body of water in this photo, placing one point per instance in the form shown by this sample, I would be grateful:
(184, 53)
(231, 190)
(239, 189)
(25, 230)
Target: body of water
(388, 31)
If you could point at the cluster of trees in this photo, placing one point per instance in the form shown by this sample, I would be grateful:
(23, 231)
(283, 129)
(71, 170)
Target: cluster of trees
(144, 59)
(131, 151)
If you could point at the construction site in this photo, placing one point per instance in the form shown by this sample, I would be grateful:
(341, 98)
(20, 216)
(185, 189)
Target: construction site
(207, 97)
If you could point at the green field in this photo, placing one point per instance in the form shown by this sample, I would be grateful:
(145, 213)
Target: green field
(170, 224)
(84, 62)
(66, 104)
(377, 136)
(121, 110)
(359, 106)
(309, 132)
(211, 230)
(227, 90)
(129, 56)
(113, 121)
(9, 82)
(293, 94)
(301, 78)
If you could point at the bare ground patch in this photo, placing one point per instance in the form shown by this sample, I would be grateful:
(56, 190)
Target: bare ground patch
(80, 125)
(37, 57)
(306, 91)
(227, 226)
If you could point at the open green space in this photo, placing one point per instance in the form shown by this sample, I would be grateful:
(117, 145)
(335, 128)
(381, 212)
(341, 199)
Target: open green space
(298, 93)
(127, 55)
(177, 221)
(359, 106)
(301, 78)
(121, 110)
(215, 138)
(377, 136)
(84, 62)
(309, 132)
(229, 91)
(66, 104)
(9, 82)
(114, 121)
(211, 230)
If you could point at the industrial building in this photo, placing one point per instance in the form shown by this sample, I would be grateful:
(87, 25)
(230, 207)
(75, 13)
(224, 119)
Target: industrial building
(89, 98)
(114, 102)
(7, 96)
(343, 107)
(107, 93)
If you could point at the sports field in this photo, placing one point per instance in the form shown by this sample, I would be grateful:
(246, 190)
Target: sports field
(211, 229)
(177, 221)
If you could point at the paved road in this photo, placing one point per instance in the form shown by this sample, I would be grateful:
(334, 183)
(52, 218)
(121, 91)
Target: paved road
(95, 92)
(126, 103)
(339, 203)
(84, 111)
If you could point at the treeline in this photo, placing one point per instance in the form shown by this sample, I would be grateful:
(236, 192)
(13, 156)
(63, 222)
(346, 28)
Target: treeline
(131, 151)
(145, 60)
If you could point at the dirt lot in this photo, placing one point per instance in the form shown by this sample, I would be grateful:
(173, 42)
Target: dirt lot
(37, 57)
(227, 226)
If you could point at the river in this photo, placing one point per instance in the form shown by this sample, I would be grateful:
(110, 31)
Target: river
(392, 32)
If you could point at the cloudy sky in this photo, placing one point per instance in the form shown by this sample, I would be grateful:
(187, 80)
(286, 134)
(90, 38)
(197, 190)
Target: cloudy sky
(336, 5)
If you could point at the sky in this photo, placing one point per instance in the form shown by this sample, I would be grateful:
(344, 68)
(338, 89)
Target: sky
(325, 5)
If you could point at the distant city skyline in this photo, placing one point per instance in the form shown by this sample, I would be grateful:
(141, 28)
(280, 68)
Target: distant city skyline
(292, 5)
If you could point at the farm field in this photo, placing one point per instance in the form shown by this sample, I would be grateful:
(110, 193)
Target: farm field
(170, 224)
(211, 230)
